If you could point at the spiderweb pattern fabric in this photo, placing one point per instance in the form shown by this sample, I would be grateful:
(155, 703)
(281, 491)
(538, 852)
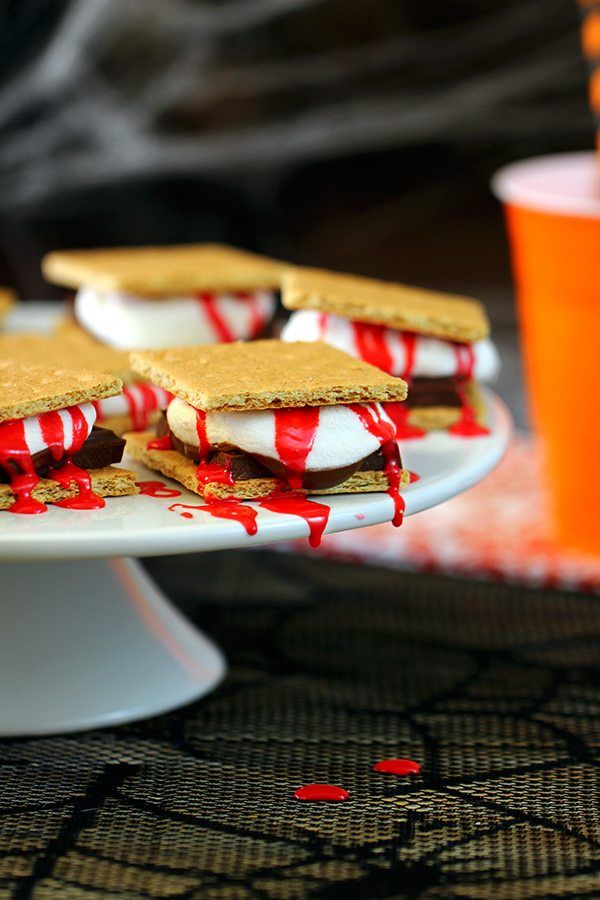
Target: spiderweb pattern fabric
(493, 688)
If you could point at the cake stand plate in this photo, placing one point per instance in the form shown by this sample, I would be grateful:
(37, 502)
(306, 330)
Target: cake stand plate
(88, 640)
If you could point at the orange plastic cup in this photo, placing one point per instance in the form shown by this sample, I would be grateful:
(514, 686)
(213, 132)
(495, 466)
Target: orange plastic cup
(552, 207)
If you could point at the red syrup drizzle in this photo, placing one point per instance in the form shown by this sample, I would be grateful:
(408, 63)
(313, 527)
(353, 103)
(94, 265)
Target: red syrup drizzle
(53, 433)
(295, 431)
(409, 342)
(371, 345)
(160, 443)
(208, 302)
(141, 401)
(209, 472)
(156, 489)
(385, 432)
(467, 425)
(399, 413)
(329, 793)
(316, 515)
(398, 767)
(14, 450)
(465, 360)
(257, 321)
(221, 509)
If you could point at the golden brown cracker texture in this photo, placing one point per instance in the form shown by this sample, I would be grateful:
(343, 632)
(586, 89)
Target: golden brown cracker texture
(266, 375)
(27, 390)
(65, 352)
(163, 271)
(383, 303)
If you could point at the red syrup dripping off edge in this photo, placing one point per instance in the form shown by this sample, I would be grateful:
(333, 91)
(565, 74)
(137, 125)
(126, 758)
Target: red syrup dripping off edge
(398, 767)
(328, 793)
(156, 489)
(85, 498)
(316, 515)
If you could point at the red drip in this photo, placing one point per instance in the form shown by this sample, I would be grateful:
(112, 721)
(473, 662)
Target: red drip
(85, 498)
(322, 320)
(316, 515)
(25, 504)
(373, 421)
(220, 326)
(398, 766)
(295, 431)
(467, 425)
(392, 471)
(204, 446)
(399, 413)
(371, 345)
(222, 509)
(465, 360)
(156, 489)
(141, 400)
(413, 477)
(257, 321)
(328, 793)
(53, 433)
(160, 443)
(209, 473)
(409, 343)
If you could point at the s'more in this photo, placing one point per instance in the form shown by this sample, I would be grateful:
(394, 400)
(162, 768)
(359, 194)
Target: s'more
(252, 420)
(50, 449)
(139, 298)
(136, 407)
(439, 343)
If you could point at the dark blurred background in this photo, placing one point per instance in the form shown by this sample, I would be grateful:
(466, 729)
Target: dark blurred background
(357, 135)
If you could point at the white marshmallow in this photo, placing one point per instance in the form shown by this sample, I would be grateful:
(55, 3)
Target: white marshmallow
(341, 438)
(434, 358)
(119, 405)
(34, 439)
(128, 322)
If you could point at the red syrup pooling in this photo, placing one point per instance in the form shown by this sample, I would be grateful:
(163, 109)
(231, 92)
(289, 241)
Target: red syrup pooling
(66, 475)
(398, 767)
(156, 489)
(399, 413)
(295, 431)
(208, 473)
(372, 346)
(328, 793)
(316, 515)
(467, 425)
(219, 324)
(160, 443)
(221, 509)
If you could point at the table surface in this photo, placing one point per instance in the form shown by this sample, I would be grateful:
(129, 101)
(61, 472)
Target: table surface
(493, 688)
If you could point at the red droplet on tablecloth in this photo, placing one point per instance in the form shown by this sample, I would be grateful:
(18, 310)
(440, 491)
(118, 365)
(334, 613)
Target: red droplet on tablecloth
(398, 766)
(329, 793)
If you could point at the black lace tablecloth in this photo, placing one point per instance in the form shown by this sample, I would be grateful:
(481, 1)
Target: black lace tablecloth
(494, 689)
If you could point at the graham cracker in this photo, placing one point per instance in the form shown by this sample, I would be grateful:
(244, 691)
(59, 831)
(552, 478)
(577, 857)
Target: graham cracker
(266, 375)
(163, 271)
(7, 299)
(67, 351)
(175, 465)
(435, 418)
(397, 306)
(27, 390)
(109, 481)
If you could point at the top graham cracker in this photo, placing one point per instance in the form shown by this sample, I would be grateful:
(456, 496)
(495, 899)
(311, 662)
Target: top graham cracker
(156, 272)
(266, 375)
(397, 306)
(65, 352)
(28, 390)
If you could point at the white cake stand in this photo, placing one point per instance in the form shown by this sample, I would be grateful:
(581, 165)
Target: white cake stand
(86, 637)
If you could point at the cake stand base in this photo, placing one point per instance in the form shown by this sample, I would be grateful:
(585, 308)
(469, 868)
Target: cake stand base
(93, 643)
